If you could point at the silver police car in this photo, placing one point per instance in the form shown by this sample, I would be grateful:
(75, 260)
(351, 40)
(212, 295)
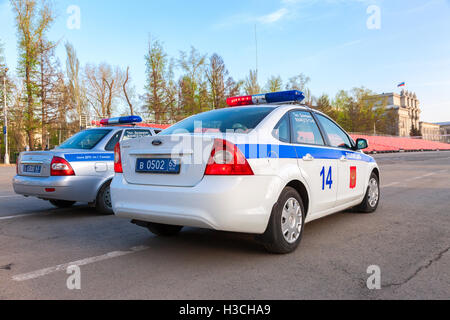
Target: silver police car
(80, 169)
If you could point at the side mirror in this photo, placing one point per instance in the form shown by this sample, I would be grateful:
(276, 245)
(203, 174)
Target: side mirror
(361, 144)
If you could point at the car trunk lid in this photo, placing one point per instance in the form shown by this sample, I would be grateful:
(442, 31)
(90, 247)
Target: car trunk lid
(190, 151)
(35, 163)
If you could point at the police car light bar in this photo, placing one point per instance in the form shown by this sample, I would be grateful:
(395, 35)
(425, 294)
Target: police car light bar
(267, 98)
(121, 120)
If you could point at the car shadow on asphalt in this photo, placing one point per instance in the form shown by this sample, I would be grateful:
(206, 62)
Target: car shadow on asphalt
(195, 239)
(76, 211)
(190, 240)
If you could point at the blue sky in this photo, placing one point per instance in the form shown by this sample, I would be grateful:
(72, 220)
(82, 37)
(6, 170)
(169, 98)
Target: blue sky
(327, 40)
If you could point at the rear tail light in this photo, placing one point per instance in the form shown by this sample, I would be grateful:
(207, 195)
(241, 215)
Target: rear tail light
(117, 159)
(226, 159)
(60, 167)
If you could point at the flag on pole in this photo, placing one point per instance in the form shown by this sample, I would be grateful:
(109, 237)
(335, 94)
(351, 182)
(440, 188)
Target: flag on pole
(401, 84)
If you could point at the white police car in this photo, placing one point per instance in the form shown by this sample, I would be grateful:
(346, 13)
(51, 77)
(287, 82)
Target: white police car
(80, 169)
(265, 170)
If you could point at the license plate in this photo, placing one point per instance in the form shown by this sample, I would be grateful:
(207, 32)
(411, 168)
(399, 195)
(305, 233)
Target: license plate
(170, 166)
(31, 168)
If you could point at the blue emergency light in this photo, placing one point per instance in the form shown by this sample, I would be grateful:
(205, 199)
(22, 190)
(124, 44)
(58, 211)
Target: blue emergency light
(267, 98)
(121, 120)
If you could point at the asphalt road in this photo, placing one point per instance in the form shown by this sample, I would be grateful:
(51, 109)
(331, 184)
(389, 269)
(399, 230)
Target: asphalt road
(408, 238)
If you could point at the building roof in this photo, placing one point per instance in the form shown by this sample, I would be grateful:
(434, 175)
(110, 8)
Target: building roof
(429, 124)
(443, 123)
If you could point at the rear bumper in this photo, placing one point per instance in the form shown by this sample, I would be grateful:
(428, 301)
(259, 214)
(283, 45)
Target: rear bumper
(73, 188)
(236, 204)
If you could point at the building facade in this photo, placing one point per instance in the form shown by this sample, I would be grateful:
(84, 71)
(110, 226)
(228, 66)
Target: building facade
(430, 131)
(445, 131)
(405, 109)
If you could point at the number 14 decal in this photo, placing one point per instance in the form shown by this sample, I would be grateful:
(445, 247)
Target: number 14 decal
(329, 178)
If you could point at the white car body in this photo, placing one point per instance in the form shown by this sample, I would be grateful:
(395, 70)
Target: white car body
(239, 203)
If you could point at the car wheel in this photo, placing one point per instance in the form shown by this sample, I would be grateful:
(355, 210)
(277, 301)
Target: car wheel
(103, 203)
(286, 224)
(163, 230)
(62, 203)
(372, 197)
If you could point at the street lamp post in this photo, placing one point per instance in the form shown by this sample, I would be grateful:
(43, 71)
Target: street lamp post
(5, 115)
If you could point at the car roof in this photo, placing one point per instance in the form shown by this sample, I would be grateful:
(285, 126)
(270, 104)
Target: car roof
(125, 127)
(284, 108)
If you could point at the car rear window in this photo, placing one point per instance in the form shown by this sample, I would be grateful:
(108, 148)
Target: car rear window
(113, 141)
(85, 140)
(239, 120)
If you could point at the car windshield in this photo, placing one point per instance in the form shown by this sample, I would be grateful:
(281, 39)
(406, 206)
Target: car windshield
(239, 120)
(85, 140)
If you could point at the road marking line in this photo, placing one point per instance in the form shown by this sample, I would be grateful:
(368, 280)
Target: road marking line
(415, 178)
(24, 215)
(423, 176)
(391, 184)
(11, 196)
(47, 271)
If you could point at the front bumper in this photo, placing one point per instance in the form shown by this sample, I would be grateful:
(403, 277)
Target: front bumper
(235, 204)
(72, 188)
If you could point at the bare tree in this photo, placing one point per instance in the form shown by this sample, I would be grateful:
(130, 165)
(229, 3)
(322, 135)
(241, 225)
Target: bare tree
(125, 91)
(32, 24)
(175, 112)
(194, 92)
(216, 74)
(233, 88)
(251, 85)
(300, 83)
(324, 105)
(77, 91)
(66, 118)
(3, 73)
(103, 87)
(160, 95)
(274, 84)
(48, 76)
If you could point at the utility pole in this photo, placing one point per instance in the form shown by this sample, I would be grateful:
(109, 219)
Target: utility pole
(5, 115)
(256, 52)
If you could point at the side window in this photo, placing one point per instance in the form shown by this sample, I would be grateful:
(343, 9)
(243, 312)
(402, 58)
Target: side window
(281, 131)
(336, 136)
(305, 129)
(136, 133)
(113, 141)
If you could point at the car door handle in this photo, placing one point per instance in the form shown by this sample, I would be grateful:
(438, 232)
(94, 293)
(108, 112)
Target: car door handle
(308, 157)
(344, 159)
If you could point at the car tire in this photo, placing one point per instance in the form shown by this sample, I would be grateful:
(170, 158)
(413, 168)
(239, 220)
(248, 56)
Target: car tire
(163, 230)
(372, 197)
(103, 203)
(62, 203)
(285, 230)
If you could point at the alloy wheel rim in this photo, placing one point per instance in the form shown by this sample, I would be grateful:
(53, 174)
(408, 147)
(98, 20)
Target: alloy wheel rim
(291, 220)
(374, 192)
